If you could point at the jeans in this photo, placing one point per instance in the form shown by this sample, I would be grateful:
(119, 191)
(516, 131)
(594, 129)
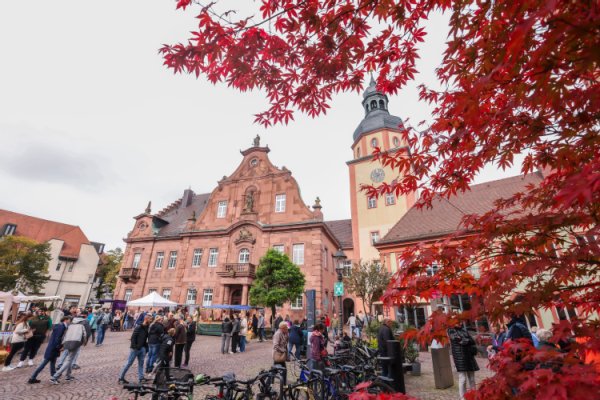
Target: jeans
(242, 343)
(46, 361)
(178, 354)
(67, 365)
(152, 356)
(133, 354)
(297, 352)
(186, 350)
(14, 349)
(235, 338)
(63, 356)
(32, 345)
(225, 340)
(93, 335)
(463, 378)
(101, 333)
(261, 334)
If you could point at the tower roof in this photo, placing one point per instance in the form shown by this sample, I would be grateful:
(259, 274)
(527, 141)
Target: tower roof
(377, 116)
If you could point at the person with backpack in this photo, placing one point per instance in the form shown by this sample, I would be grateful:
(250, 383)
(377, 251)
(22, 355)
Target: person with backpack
(53, 349)
(73, 339)
(517, 329)
(138, 348)
(463, 353)
(104, 318)
(165, 352)
(88, 332)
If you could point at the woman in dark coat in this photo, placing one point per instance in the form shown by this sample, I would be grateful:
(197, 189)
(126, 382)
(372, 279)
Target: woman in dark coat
(165, 352)
(463, 352)
(295, 339)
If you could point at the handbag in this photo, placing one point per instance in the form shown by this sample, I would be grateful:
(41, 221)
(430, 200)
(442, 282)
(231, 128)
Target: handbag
(279, 357)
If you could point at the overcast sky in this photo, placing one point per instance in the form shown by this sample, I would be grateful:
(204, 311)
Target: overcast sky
(92, 126)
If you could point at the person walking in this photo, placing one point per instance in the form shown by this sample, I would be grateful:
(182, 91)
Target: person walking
(226, 326)
(53, 349)
(243, 333)
(261, 327)
(103, 322)
(93, 321)
(334, 324)
(235, 333)
(352, 325)
(165, 351)
(155, 332)
(383, 335)
(18, 339)
(72, 341)
(40, 324)
(277, 322)
(139, 344)
(280, 348)
(295, 339)
(180, 340)
(463, 353)
(190, 338)
(255, 325)
(317, 348)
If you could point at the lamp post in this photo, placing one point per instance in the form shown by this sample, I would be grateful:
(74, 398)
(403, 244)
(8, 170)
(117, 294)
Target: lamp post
(340, 257)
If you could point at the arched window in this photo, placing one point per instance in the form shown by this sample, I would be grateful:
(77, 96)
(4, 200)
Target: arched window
(381, 104)
(396, 142)
(244, 256)
(374, 142)
(373, 104)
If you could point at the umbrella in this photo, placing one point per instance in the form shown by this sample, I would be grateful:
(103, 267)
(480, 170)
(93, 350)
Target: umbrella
(152, 300)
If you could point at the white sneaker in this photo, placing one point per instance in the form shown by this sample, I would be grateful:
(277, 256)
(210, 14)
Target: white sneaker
(30, 363)
(20, 364)
(7, 368)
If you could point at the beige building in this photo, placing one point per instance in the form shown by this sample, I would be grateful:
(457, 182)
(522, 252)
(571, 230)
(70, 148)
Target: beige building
(74, 258)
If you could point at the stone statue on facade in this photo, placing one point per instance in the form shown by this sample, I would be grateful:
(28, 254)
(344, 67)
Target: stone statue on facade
(257, 141)
(249, 204)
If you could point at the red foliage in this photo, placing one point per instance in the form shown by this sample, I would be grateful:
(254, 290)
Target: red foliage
(361, 393)
(519, 77)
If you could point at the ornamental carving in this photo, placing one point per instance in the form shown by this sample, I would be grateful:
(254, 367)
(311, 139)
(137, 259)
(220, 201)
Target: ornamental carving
(245, 236)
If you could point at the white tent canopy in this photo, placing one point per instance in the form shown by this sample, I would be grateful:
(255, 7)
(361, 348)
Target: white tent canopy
(151, 300)
(8, 298)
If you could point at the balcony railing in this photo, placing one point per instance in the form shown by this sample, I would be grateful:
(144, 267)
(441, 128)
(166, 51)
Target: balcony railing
(129, 274)
(241, 270)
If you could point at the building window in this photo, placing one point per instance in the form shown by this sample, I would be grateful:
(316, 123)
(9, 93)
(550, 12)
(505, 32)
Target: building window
(58, 266)
(374, 142)
(326, 258)
(390, 199)
(280, 248)
(166, 293)
(160, 256)
(173, 260)
(71, 266)
(128, 293)
(9, 230)
(432, 269)
(297, 304)
(213, 254)
(566, 313)
(207, 298)
(347, 271)
(191, 296)
(371, 202)
(374, 237)
(280, 203)
(396, 142)
(298, 254)
(358, 152)
(152, 290)
(197, 259)
(244, 256)
(136, 260)
(221, 209)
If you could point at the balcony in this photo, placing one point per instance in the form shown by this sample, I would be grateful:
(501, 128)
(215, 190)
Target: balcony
(129, 274)
(242, 270)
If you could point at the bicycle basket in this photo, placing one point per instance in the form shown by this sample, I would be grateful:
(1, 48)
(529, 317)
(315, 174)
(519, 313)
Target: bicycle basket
(166, 376)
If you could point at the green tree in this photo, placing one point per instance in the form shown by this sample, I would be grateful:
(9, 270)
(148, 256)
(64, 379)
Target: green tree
(109, 270)
(24, 262)
(278, 280)
(367, 281)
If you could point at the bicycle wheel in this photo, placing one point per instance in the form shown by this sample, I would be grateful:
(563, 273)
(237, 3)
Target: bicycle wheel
(380, 387)
(301, 393)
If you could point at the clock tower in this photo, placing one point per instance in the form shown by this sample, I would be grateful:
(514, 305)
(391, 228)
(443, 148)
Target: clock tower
(372, 218)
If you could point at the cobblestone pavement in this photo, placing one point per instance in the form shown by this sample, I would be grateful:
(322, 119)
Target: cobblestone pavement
(100, 366)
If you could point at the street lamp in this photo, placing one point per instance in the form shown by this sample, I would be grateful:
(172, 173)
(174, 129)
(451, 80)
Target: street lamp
(340, 257)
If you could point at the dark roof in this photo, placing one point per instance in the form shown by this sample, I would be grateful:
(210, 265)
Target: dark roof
(177, 216)
(377, 119)
(42, 230)
(342, 230)
(445, 215)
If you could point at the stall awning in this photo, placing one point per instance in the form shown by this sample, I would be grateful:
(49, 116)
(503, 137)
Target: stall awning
(231, 307)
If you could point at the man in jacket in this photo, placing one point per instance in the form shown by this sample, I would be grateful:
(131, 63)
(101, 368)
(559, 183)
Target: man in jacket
(383, 335)
(155, 331)
(463, 353)
(295, 339)
(165, 351)
(103, 322)
(190, 339)
(235, 333)
(53, 349)
(139, 344)
(40, 325)
(73, 339)
(517, 329)
(226, 326)
(88, 332)
(180, 340)
(243, 333)
(261, 327)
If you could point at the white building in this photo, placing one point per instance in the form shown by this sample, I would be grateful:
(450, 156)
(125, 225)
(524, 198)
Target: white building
(74, 258)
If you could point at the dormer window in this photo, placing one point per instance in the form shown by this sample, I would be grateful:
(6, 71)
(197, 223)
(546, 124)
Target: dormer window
(9, 230)
(373, 104)
(221, 209)
(382, 104)
(374, 142)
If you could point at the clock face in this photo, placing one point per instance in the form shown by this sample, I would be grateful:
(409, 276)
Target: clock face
(377, 175)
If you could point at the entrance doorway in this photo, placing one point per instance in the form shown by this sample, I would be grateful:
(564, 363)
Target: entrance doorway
(236, 297)
(348, 305)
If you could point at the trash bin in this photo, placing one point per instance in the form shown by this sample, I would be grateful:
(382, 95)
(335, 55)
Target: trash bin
(442, 368)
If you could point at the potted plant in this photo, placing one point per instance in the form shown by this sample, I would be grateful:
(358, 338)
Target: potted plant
(411, 355)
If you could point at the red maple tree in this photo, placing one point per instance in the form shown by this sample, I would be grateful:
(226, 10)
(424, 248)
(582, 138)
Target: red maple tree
(519, 78)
